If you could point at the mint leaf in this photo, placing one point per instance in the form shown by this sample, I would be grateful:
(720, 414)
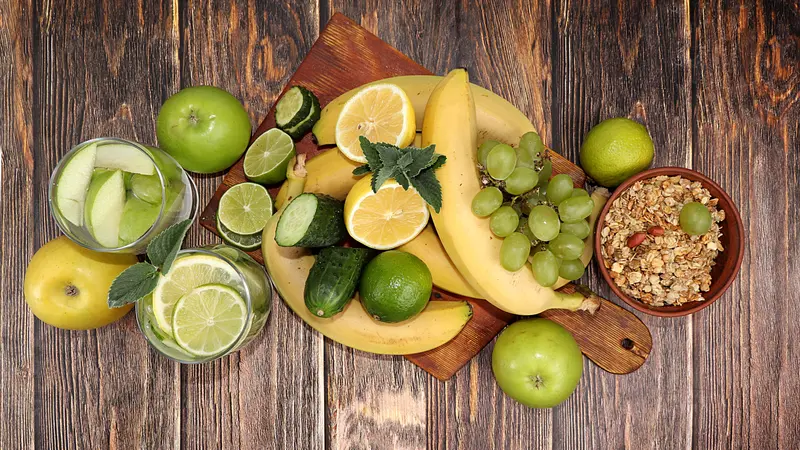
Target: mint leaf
(361, 170)
(161, 251)
(389, 154)
(402, 179)
(373, 158)
(423, 158)
(406, 159)
(135, 282)
(380, 177)
(429, 188)
(438, 161)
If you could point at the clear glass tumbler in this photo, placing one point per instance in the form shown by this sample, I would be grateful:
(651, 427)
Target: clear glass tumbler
(196, 268)
(113, 195)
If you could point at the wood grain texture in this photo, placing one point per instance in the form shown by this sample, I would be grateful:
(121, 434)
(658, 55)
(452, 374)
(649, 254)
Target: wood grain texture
(257, 398)
(747, 97)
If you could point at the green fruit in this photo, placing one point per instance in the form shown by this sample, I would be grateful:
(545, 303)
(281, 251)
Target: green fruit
(137, 217)
(395, 286)
(104, 204)
(695, 218)
(615, 150)
(204, 128)
(537, 363)
(73, 184)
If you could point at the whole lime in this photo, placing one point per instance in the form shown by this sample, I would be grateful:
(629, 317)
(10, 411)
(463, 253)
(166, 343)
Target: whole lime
(395, 286)
(206, 129)
(615, 150)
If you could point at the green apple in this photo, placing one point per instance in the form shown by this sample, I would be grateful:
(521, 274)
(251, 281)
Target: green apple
(147, 188)
(73, 184)
(537, 363)
(67, 285)
(124, 157)
(204, 128)
(137, 217)
(104, 204)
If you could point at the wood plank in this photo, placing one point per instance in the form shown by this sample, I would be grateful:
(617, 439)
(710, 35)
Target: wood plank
(17, 219)
(747, 116)
(627, 59)
(102, 388)
(270, 394)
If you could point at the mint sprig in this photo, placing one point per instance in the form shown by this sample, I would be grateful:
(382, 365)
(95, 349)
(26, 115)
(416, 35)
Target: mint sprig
(410, 166)
(139, 280)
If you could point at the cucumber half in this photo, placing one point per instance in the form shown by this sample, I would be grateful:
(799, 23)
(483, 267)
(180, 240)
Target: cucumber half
(311, 220)
(298, 130)
(293, 107)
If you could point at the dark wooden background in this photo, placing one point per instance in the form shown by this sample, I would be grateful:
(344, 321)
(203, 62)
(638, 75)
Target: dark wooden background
(717, 83)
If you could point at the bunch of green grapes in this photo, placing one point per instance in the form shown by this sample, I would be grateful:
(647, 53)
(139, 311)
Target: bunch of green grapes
(541, 219)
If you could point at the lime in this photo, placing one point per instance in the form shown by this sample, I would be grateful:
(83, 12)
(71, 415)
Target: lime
(187, 273)
(209, 319)
(615, 150)
(245, 208)
(266, 160)
(395, 286)
(245, 242)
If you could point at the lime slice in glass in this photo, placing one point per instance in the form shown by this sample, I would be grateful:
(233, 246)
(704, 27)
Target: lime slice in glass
(267, 157)
(187, 273)
(246, 242)
(209, 319)
(245, 208)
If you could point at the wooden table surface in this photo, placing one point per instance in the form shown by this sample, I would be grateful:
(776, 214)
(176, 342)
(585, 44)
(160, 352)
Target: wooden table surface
(717, 83)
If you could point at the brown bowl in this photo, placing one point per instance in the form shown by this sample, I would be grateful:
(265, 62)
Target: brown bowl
(728, 261)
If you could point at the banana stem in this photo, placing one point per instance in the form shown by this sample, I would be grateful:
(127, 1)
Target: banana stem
(579, 300)
(295, 181)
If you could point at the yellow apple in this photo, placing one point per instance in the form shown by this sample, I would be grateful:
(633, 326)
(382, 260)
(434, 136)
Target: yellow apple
(67, 285)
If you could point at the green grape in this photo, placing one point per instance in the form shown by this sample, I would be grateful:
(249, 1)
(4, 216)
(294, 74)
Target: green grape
(579, 229)
(695, 219)
(571, 269)
(146, 187)
(575, 209)
(566, 246)
(487, 201)
(543, 222)
(504, 221)
(579, 193)
(559, 188)
(544, 266)
(544, 174)
(484, 150)
(500, 161)
(514, 251)
(526, 230)
(521, 180)
(516, 206)
(529, 150)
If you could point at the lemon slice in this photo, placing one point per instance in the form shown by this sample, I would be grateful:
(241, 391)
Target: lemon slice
(386, 219)
(381, 113)
(187, 273)
(209, 319)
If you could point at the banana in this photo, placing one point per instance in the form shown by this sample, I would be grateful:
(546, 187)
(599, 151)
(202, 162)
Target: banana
(496, 118)
(438, 323)
(329, 173)
(295, 181)
(450, 122)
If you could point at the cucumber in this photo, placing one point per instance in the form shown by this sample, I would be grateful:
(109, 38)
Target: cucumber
(304, 126)
(293, 107)
(333, 278)
(311, 220)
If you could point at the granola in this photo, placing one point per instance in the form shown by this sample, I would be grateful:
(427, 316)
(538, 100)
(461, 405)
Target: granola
(666, 266)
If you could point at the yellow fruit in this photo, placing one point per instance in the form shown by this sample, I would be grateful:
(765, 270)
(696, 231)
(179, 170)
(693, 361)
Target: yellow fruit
(381, 113)
(295, 181)
(438, 323)
(496, 117)
(450, 123)
(385, 219)
(326, 173)
(67, 285)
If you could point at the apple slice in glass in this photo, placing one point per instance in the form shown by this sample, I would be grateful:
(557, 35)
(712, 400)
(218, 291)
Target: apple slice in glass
(124, 157)
(104, 204)
(137, 217)
(73, 184)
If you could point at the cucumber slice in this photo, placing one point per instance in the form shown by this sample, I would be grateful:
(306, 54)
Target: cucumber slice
(304, 126)
(311, 220)
(293, 107)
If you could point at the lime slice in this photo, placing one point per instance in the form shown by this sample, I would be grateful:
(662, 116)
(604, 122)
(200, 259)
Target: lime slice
(267, 157)
(209, 319)
(245, 208)
(187, 273)
(245, 242)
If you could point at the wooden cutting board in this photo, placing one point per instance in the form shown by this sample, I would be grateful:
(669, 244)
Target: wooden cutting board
(346, 56)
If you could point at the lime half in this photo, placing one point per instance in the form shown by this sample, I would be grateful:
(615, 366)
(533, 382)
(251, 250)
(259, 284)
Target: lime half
(187, 273)
(246, 242)
(267, 157)
(245, 208)
(209, 319)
